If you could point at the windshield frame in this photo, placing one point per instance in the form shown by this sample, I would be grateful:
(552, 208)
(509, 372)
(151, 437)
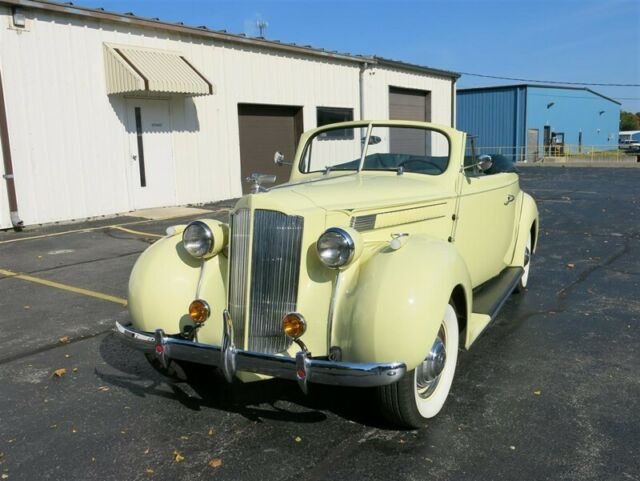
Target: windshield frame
(369, 126)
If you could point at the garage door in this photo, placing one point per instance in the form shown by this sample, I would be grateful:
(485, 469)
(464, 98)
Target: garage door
(406, 104)
(265, 129)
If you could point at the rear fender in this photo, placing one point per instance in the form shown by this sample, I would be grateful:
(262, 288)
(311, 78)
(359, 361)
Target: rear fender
(528, 223)
(392, 309)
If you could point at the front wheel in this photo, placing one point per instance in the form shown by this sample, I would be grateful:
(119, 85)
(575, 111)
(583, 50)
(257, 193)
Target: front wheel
(421, 393)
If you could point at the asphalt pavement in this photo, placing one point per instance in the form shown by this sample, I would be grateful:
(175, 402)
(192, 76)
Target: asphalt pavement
(550, 391)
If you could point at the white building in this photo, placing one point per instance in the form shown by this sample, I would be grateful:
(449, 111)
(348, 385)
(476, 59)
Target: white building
(103, 113)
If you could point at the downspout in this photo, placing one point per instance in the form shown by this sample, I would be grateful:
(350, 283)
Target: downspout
(363, 68)
(453, 103)
(8, 164)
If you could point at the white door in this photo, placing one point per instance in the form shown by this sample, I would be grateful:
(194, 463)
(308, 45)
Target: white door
(152, 170)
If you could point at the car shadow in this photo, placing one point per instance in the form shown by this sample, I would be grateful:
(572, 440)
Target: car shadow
(271, 400)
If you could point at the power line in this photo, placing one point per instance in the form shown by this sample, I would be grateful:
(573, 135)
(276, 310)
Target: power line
(550, 81)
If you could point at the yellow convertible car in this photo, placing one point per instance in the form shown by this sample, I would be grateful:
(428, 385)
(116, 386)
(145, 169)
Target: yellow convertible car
(391, 247)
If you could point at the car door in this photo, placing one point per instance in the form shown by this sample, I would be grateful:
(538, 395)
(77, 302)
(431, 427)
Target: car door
(485, 223)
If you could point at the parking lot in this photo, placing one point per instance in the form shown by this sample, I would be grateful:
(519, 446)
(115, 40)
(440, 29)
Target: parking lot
(550, 391)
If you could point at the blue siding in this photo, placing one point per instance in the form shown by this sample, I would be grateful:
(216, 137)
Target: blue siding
(496, 116)
(574, 111)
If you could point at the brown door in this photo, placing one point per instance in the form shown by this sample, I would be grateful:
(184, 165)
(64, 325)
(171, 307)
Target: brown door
(406, 104)
(265, 129)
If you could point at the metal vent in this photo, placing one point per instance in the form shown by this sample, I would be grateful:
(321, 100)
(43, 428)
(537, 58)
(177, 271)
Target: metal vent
(363, 222)
(275, 268)
(240, 223)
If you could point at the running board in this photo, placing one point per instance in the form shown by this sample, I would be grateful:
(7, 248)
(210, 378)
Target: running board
(488, 299)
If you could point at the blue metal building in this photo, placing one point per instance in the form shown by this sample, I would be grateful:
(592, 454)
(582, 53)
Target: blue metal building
(528, 122)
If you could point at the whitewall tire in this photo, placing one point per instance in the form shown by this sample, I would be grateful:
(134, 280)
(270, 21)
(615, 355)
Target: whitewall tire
(524, 280)
(422, 392)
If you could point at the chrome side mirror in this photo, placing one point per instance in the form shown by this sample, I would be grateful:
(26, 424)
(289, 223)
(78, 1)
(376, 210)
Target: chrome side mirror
(256, 180)
(484, 162)
(278, 159)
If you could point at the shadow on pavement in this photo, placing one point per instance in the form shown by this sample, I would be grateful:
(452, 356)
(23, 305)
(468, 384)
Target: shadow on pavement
(256, 401)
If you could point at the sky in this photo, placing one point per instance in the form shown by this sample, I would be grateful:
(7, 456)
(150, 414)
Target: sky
(557, 40)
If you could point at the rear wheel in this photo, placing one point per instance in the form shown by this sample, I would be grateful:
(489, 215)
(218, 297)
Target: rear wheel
(422, 392)
(522, 283)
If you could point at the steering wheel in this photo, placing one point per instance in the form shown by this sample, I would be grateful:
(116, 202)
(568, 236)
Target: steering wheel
(424, 161)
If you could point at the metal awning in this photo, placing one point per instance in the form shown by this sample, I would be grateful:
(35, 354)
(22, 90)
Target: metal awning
(131, 69)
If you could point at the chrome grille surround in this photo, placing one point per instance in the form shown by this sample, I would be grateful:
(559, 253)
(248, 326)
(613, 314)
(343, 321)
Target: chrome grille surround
(275, 270)
(238, 272)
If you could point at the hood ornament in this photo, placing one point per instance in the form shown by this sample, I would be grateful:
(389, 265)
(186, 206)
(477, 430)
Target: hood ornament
(256, 180)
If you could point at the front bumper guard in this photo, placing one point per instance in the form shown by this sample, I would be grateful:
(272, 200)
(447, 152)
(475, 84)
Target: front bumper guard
(302, 368)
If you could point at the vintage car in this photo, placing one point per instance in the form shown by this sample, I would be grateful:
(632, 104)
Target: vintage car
(390, 247)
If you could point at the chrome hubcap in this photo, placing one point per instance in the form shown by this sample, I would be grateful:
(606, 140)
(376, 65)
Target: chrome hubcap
(428, 373)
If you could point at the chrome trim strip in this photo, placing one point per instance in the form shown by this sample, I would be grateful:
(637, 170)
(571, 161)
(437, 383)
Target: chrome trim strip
(231, 359)
(238, 271)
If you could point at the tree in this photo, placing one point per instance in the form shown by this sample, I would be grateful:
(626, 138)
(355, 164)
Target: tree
(629, 121)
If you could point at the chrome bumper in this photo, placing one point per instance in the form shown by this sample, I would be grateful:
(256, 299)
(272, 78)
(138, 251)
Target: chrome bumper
(303, 368)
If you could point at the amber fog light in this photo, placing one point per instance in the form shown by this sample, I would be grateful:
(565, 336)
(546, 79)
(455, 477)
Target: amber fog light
(199, 311)
(294, 325)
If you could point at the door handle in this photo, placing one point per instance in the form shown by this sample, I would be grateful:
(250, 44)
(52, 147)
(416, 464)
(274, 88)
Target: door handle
(510, 198)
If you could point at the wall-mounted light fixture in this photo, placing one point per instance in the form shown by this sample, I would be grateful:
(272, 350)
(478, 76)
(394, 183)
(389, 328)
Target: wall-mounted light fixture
(19, 18)
(550, 104)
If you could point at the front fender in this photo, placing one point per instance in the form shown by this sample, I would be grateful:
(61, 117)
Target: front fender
(164, 281)
(392, 309)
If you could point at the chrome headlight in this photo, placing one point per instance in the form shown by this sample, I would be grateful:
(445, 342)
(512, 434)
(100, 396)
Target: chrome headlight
(336, 247)
(197, 239)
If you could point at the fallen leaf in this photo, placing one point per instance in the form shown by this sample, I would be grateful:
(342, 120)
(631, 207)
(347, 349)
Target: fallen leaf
(64, 339)
(211, 431)
(75, 369)
(59, 372)
(103, 388)
(5, 476)
(215, 463)
(178, 457)
(53, 426)
(74, 430)
(570, 265)
(402, 441)
(298, 439)
(146, 451)
(184, 438)
(537, 392)
(27, 307)
(149, 471)
(67, 356)
(512, 448)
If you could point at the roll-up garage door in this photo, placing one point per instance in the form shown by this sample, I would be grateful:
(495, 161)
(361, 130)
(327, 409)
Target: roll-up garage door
(407, 104)
(265, 129)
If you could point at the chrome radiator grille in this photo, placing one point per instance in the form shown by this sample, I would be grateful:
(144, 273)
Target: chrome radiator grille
(239, 264)
(273, 286)
(275, 268)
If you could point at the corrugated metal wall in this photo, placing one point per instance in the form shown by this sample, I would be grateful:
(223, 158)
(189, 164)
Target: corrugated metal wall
(69, 140)
(573, 111)
(495, 116)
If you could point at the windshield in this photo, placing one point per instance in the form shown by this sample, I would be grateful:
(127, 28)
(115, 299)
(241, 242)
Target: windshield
(398, 148)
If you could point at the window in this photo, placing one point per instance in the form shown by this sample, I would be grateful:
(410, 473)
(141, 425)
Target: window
(331, 115)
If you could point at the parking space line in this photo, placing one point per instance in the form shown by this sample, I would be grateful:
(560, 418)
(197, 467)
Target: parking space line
(137, 232)
(64, 287)
(75, 231)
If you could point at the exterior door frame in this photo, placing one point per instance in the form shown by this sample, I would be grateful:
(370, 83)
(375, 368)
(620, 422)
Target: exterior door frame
(131, 131)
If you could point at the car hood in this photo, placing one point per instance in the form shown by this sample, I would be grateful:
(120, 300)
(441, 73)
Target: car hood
(369, 190)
